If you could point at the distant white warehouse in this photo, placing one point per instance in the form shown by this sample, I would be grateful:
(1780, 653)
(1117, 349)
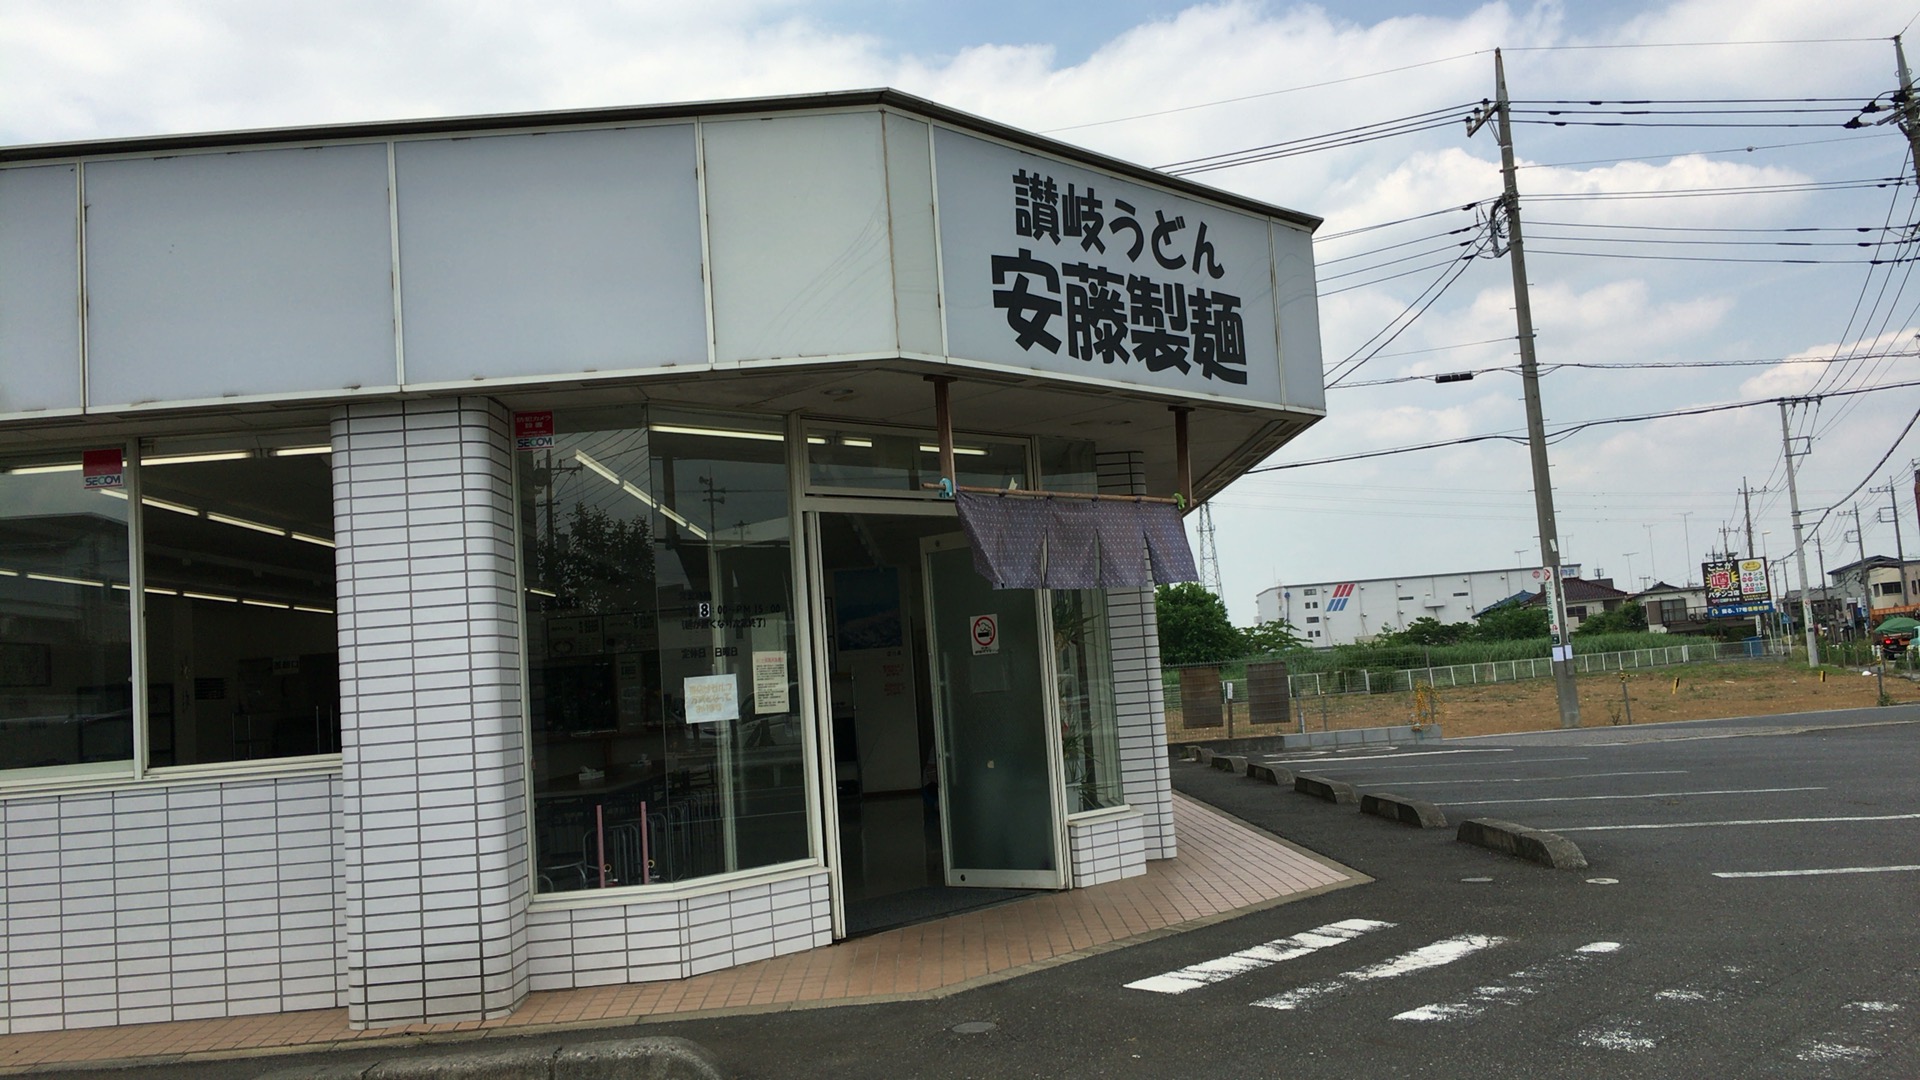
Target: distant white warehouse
(1344, 612)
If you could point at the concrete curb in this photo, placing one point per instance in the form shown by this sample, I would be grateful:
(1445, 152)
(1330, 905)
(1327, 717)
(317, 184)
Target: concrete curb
(1269, 744)
(1272, 774)
(1534, 845)
(656, 1058)
(1422, 815)
(1232, 763)
(1333, 791)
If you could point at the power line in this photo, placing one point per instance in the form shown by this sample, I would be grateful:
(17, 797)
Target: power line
(1693, 153)
(1582, 426)
(1266, 93)
(1730, 258)
(1696, 44)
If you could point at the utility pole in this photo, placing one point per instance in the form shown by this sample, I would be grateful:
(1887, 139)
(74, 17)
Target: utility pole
(1799, 548)
(1826, 601)
(1686, 537)
(1563, 686)
(1909, 115)
(1746, 500)
(1899, 547)
(1860, 541)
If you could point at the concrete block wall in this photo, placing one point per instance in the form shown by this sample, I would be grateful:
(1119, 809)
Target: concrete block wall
(678, 937)
(171, 901)
(1107, 849)
(1145, 777)
(433, 756)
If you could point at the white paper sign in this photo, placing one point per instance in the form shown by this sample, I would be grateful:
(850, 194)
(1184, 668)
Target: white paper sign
(770, 681)
(711, 698)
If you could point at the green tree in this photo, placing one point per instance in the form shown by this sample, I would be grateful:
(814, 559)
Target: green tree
(1194, 627)
(1273, 636)
(1427, 630)
(1512, 622)
(1628, 618)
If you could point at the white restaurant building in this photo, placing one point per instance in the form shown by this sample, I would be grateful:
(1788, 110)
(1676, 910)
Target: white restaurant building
(447, 559)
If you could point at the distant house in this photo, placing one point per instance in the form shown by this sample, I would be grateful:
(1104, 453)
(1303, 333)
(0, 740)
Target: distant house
(1585, 598)
(1673, 608)
(1872, 588)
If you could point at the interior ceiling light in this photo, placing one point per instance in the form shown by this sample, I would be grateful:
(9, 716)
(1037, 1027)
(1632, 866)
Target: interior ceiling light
(189, 459)
(320, 540)
(963, 451)
(162, 504)
(719, 433)
(67, 580)
(245, 524)
(267, 604)
(301, 451)
(210, 596)
(314, 610)
(849, 440)
(32, 470)
(614, 478)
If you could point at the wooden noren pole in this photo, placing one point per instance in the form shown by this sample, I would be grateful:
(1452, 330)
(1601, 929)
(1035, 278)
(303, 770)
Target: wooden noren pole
(943, 424)
(1183, 461)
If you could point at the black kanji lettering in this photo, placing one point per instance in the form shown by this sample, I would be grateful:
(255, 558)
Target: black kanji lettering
(1219, 337)
(1084, 218)
(1028, 312)
(1036, 206)
(1096, 313)
(1159, 320)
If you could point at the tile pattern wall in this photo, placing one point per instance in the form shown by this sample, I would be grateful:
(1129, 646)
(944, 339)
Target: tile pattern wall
(433, 756)
(1107, 849)
(171, 902)
(1145, 775)
(675, 938)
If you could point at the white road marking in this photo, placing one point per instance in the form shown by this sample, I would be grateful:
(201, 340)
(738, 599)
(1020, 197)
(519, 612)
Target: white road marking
(1815, 873)
(1511, 989)
(1649, 795)
(1618, 1038)
(1743, 821)
(1538, 779)
(1873, 1006)
(1273, 952)
(1444, 951)
(1405, 764)
(1378, 754)
(1826, 1051)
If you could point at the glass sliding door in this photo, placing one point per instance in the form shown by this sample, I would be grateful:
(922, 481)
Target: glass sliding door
(999, 792)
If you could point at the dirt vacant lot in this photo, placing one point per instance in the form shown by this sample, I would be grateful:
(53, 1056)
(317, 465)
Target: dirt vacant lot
(1693, 692)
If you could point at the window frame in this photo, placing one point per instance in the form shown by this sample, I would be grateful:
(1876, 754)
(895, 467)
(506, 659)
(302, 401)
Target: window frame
(27, 783)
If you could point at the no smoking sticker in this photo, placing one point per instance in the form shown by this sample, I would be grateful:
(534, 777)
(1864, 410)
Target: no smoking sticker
(984, 631)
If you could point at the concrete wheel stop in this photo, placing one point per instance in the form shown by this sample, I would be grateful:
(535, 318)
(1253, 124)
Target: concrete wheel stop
(1533, 845)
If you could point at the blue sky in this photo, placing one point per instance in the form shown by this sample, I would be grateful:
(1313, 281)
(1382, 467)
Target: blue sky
(1637, 500)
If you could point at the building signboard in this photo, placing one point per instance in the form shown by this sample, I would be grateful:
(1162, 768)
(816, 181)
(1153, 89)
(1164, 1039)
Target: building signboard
(1053, 266)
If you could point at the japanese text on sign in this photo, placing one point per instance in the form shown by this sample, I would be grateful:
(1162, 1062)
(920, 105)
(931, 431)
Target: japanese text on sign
(1161, 313)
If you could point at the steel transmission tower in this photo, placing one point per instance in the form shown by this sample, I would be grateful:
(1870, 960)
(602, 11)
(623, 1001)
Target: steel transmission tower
(1209, 554)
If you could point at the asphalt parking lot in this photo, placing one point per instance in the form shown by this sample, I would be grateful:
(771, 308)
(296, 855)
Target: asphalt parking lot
(1752, 909)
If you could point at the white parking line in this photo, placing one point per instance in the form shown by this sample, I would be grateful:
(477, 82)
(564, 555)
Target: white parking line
(1273, 952)
(1815, 873)
(1404, 764)
(1539, 779)
(1650, 795)
(1403, 754)
(1444, 951)
(1745, 821)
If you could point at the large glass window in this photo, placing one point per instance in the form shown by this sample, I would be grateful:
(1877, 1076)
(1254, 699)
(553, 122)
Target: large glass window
(1084, 669)
(242, 650)
(865, 459)
(663, 687)
(65, 635)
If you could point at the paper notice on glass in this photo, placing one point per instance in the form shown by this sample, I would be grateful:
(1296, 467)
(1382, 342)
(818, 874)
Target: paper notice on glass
(770, 681)
(711, 699)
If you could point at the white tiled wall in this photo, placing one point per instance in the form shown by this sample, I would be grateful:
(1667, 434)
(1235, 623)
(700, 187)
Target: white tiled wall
(433, 756)
(171, 901)
(1107, 849)
(676, 938)
(1145, 775)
